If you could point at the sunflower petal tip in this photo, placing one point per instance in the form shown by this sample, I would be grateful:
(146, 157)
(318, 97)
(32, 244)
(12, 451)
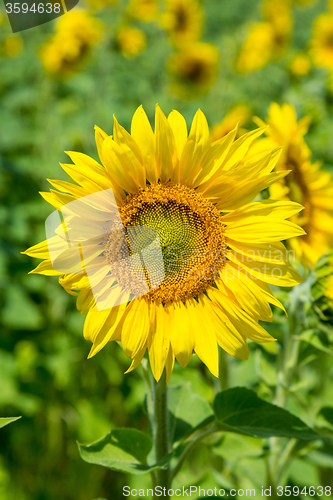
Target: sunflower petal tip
(129, 369)
(91, 353)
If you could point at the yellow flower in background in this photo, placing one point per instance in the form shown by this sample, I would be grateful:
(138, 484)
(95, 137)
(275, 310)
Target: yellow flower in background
(307, 183)
(76, 33)
(220, 251)
(257, 49)
(193, 69)
(11, 45)
(278, 14)
(300, 65)
(268, 39)
(238, 115)
(183, 20)
(321, 44)
(143, 10)
(130, 41)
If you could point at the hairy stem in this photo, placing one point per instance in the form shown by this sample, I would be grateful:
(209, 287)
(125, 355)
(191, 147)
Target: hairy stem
(161, 430)
(223, 369)
(287, 366)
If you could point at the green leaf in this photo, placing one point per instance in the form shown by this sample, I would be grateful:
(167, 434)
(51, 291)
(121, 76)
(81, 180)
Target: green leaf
(240, 410)
(188, 411)
(123, 450)
(8, 420)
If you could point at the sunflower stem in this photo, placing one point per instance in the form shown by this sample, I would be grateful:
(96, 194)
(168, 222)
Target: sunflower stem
(149, 389)
(223, 370)
(287, 366)
(161, 430)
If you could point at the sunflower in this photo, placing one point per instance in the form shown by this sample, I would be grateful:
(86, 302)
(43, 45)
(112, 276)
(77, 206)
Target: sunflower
(257, 49)
(11, 45)
(130, 41)
(76, 33)
(306, 184)
(143, 10)
(183, 20)
(278, 14)
(193, 69)
(219, 251)
(321, 44)
(267, 39)
(300, 65)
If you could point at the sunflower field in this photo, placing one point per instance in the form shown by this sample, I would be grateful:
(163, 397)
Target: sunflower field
(190, 222)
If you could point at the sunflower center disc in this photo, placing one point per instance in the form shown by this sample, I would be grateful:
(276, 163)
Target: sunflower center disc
(191, 237)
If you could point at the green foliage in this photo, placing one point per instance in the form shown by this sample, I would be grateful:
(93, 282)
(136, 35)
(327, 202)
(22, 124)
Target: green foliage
(124, 450)
(240, 410)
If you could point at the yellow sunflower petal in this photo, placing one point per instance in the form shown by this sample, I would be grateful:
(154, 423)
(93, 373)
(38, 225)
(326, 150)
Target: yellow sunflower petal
(205, 342)
(179, 129)
(170, 361)
(195, 148)
(166, 154)
(159, 341)
(269, 272)
(228, 336)
(182, 345)
(132, 157)
(107, 330)
(260, 229)
(100, 137)
(263, 252)
(279, 209)
(134, 327)
(143, 134)
(45, 268)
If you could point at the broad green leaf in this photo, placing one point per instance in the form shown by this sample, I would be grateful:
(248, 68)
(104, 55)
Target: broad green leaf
(124, 450)
(7, 420)
(188, 411)
(240, 410)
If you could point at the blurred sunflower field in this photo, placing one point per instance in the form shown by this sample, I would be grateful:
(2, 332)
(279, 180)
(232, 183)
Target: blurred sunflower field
(244, 64)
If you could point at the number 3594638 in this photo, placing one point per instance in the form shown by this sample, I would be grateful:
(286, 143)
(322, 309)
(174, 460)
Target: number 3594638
(35, 8)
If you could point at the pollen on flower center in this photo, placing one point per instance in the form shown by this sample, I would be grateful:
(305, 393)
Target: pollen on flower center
(191, 236)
